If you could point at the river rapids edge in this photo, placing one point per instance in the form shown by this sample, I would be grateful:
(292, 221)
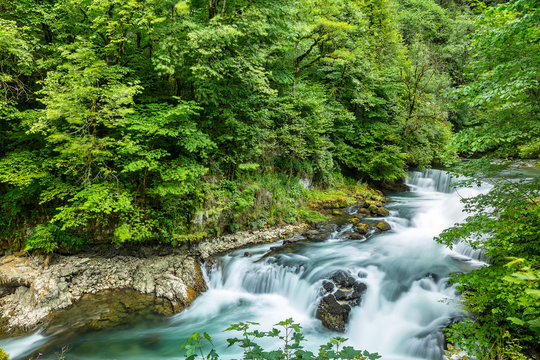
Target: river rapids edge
(168, 279)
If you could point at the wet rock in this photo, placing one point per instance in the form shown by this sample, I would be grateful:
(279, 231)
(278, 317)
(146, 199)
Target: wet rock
(354, 236)
(31, 293)
(432, 276)
(333, 315)
(395, 186)
(361, 228)
(369, 203)
(314, 235)
(343, 295)
(359, 289)
(110, 308)
(360, 203)
(363, 212)
(223, 244)
(343, 279)
(328, 286)
(328, 228)
(292, 240)
(383, 226)
(362, 274)
(342, 291)
(382, 212)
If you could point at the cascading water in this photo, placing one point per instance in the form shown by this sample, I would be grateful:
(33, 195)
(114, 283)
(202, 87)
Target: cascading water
(407, 303)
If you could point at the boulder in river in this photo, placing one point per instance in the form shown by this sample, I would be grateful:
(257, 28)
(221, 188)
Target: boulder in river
(340, 293)
(383, 226)
(382, 212)
(361, 228)
(354, 236)
(333, 315)
(363, 212)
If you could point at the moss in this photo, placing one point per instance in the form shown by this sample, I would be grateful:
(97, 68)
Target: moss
(3, 355)
(191, 294)
(362, 228)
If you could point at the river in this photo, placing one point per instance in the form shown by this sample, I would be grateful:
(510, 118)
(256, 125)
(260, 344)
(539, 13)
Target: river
(407, 303)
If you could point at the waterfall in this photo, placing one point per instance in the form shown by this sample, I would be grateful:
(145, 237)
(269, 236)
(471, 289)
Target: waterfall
(407, 303)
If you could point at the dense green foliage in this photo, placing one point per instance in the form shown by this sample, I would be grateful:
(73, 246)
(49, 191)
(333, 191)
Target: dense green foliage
(503, 298)
(290, 336)
(131, 121)
(146, 120)
(502, 93)
(503, 83)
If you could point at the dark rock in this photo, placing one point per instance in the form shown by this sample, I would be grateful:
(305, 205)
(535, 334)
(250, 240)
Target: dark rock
(333, 310)
(328, 286)
(333, 315)
(247, 254)
(328, 228)
(362, 274)
(359, 288)
(396, 186)
(354, 236)
(341, 295)
(343, 279)
(383, 226)
(314, 235)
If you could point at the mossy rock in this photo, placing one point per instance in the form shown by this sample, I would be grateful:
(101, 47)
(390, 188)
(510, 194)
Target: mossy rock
(373, 202)
(354, 220)
(383, 226)
(363, 212)
(382, 212)
(361, 228)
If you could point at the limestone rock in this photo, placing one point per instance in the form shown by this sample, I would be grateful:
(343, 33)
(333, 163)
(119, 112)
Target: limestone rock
(31, 293)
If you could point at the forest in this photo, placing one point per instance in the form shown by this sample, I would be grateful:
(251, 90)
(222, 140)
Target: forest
(129, 122)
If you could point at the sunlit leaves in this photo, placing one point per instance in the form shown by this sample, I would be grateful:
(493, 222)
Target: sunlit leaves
(504, 83)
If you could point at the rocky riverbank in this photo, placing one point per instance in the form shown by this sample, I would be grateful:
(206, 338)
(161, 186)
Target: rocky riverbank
(166, 280)
(106, 287)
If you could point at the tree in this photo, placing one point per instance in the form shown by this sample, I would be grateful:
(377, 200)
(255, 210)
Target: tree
(503, 83)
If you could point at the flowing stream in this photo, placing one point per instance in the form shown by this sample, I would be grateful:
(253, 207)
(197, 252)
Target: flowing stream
(407, 303)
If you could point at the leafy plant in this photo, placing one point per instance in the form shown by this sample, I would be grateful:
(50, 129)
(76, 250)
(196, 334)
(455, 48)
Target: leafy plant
(505, 224)
(290, 336)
